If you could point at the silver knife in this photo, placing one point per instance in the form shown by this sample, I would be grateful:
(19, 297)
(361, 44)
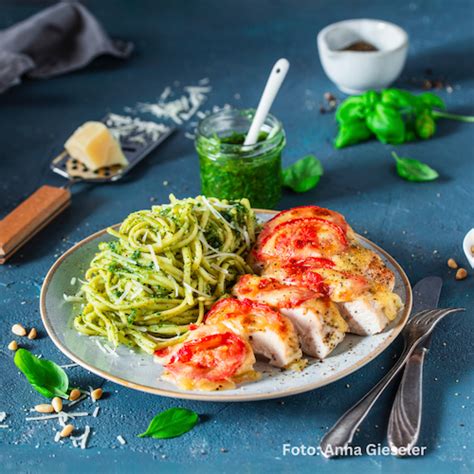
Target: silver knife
(405, 418)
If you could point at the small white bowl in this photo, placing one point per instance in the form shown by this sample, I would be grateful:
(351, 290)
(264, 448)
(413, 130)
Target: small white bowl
(355, 72)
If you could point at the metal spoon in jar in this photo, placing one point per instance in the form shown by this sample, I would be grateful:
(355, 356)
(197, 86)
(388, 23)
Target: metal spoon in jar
(274, 82)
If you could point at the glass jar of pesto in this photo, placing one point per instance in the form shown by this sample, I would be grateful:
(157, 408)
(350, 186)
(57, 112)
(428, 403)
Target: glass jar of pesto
(230, 170)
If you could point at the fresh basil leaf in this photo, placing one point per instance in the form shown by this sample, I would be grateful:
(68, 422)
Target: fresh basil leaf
(371, 99)
(431, 100)
(414, 170)
(171, 423)
(387, 124)
(44, 375)
(303, 175)
(352, 133)
(351, 109)
(425, 125)
(398, 98)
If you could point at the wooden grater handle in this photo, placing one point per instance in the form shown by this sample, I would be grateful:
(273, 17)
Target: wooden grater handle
(30, 217)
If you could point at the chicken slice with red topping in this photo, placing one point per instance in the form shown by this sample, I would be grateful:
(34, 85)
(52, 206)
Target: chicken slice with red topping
(304, 212)
(273, 292)
(300, 239)
(269, 333)
(318, 323)
(211, 358)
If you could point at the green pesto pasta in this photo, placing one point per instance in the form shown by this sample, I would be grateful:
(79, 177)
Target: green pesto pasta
(164, 270)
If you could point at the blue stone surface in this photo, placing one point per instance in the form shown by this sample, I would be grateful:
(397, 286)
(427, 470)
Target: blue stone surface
(234, 44)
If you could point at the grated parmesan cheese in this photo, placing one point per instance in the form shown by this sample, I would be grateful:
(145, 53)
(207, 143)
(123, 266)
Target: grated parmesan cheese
(56, 415)
(135, 129)
(81, 441)
(72, 299)
(96, 412)
(153, 257)
(181, 109)
(121, 440)
(190, 288)
(82, 397)
(68, 366)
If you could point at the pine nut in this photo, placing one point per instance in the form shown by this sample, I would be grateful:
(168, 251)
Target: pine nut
(13, 346)
(44, 408)
(18, 330)
(461, 274)
(66, 431)
(96, 394)
(452, 263)
(74, 395)
(57, 404)
(32, 334)
(472, 250)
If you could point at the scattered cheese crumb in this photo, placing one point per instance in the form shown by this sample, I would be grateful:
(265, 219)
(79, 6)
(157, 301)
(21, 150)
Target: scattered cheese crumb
(121, 440)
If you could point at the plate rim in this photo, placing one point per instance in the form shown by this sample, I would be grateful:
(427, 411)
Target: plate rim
(222, 397)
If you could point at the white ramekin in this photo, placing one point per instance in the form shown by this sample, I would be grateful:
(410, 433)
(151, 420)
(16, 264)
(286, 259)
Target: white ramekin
(355, 72)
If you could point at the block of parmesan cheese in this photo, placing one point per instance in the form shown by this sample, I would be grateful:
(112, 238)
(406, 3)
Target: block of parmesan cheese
(94, 145)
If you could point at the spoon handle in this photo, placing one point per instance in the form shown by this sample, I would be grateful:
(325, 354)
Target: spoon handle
(275, 79)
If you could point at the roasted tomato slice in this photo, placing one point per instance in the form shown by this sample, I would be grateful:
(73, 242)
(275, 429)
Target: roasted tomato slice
(253, 315)
(303, 212)
(213, 357)
(272, 291)
(300, 239)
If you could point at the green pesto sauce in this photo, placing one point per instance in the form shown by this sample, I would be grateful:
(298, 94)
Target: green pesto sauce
(234, 177)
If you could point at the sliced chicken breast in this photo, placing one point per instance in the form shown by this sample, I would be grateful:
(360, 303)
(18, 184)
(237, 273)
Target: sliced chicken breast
(371, 313)
(269, 333)
(319, 325)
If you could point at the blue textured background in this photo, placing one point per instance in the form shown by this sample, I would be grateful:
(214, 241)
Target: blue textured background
(235, 44)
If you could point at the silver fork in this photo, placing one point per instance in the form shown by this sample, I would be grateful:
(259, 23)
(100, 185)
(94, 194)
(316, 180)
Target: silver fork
(418, 328)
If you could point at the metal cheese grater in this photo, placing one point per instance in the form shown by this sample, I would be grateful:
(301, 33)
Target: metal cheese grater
(49, 201)
(133, 149)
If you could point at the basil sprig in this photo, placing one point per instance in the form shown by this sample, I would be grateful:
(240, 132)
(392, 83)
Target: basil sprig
(392, 116)
(171, 423)
(414, 170)
(303, 175)
(44, 375)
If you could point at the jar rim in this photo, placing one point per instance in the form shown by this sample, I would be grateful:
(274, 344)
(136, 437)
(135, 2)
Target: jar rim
(274, 138)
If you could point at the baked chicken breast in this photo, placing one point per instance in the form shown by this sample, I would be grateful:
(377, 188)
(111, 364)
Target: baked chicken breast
(317, 321)
(211, 358)
(269, 333)
(316, 249)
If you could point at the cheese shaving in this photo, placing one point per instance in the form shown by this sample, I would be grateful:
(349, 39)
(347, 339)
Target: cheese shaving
(134, 129)
(190, 288)
(153, 257)
(180, 109)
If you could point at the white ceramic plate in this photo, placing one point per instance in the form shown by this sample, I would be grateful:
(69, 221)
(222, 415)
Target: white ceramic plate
(137, 370)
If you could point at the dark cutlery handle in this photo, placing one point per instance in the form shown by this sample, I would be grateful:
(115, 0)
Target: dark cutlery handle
(341, 434)
(405, 418)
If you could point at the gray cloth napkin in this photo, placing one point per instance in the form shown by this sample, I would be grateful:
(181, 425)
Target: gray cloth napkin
(59, 39)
